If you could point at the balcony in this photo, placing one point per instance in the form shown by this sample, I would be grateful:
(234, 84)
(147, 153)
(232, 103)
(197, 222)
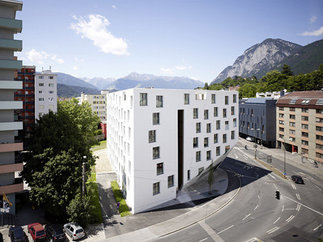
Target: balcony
(9, 147)
(12, 24)
(13, 188)
(11, 44)
(10, 64)
(11, 168)
(10, 85)
(7, 105)
(8, 126)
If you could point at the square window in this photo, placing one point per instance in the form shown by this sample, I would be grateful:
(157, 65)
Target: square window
(186, 98)
(143, 99)
(206, 142)
(206, 114)
(156, 153)
(152, 136)
(160, 168)
(198, 156)
(195, 113)
(170, 181)
(156, 188)
(208, 155)
(159, 101)
(195, 142)
(155, 118)
(198, 127)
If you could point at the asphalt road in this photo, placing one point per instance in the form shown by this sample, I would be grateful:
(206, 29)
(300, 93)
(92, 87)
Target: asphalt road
(255, 214)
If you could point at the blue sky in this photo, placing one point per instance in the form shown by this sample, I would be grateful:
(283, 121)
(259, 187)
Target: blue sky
(193, 38)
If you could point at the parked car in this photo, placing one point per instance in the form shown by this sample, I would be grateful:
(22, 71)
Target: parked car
(297, 179)
(54, 232)
(37, 231)
(1, 237)
(74, 230)
(16, 234)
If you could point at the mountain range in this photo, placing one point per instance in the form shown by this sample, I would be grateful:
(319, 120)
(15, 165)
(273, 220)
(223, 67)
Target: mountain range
(272, 54)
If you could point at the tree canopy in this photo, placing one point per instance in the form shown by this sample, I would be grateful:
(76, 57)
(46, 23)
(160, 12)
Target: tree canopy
(53, 167)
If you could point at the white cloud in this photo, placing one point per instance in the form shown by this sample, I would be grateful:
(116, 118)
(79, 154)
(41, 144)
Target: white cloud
(167, 71)
(40, 57)
(75, 68)
(95, 29)
(314, 33)
(182, 68)
(78, 60)
(313, 19)
(114, 6)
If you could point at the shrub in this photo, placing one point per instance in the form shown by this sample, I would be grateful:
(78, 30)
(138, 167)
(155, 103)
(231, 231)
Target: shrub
(123, 207)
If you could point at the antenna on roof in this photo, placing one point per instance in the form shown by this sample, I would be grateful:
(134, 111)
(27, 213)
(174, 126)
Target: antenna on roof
(50, 68)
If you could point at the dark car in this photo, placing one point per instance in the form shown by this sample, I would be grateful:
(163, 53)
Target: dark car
(17, 234)
(55, 232)
(1, 237)
(298, 179)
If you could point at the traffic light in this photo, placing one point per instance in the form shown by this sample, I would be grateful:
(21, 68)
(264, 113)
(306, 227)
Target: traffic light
(278, 195)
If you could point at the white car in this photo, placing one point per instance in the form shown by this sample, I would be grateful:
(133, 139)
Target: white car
(74, 230)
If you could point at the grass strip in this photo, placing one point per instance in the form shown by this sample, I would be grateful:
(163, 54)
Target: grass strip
(123, 208)
(93, 193)
(102, 145)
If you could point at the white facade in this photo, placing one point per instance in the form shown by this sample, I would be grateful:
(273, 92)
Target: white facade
(45, 93)
(273, 95)
(158, 146)
(97, 102)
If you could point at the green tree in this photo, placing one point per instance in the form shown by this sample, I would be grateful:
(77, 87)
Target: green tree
(79, 210)
(286, 70)
(53, 167)
(206, 86)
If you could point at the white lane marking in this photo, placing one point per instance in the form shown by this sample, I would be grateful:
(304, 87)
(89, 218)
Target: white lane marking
(210, 231)
(275, 186)
(272, 230)
(246, 216)
(203, 239)
(272, 176)
(318, 187)
(317, 227)
(256, 207)
(258, 196)
(298, 197)
(235, 156)
(298, 207)
(290, 218)
(276, 220)
(305, 206)
(283, 207)
(253, 240)
(293, 186)
(225, 229)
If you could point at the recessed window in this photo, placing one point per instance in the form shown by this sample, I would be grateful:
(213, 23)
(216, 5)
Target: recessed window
(218, 124)
(41, 77)
(217, 150)
(156, 152)
(224, 113)
(226, 125)
(234, 122)
(224, 138)
(198, 156)
(156, 188)
(227, 148)
(152, 136)
(198, 127)
(226, 100)
(188, 175)
(51, 84)
(41, 99)
(51, 92)
(291, 116)
(208, 155)
(51, 77)
(208, 128)
(155, 118)
(213, 98)
(304, 110)
(195, 142)
(186, 98)
(232, 110)
(160, 168)
(159, 101)
(143, 99)
(41, 84)
(304, 126)
(170, 181)
(234, 98)
(232, 135)
(195, 113)
(206, 114)
(216, 138)
(215, 112)
(206, 142)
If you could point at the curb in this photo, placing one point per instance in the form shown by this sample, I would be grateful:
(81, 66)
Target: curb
(213, 212)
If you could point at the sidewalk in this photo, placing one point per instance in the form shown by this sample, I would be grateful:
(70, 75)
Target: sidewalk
(291, 159)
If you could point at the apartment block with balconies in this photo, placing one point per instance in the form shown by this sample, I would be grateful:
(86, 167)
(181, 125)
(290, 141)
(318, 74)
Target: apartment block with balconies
(97, 103)
(300, 124)
(9, 166)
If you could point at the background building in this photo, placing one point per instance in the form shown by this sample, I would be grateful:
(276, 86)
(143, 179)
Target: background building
(300, 123)
(161, 139)
(27, 95)
(257, 119)
(273, 95)
(97, 102)
(45, 93)
(8, 127)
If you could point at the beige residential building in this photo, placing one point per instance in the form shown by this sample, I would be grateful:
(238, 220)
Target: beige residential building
(97, 102)
(10, 164)
(300, 123)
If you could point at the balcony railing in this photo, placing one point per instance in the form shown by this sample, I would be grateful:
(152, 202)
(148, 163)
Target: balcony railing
(9, 147)
(11, 168)
(13, 188)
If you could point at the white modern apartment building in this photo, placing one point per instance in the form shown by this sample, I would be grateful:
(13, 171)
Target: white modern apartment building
(97, 102)
(45, 93)
(9, 146)
(159, 140)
